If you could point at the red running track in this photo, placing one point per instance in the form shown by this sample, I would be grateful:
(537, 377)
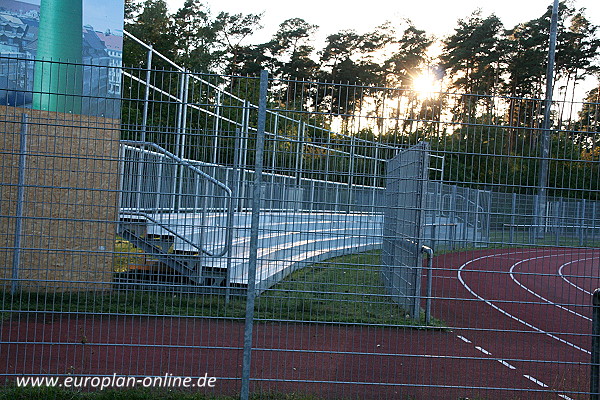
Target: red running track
(531, 311)
(519, 329)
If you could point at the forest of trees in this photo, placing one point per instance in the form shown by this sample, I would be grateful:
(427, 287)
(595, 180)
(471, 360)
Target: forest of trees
(480, 57)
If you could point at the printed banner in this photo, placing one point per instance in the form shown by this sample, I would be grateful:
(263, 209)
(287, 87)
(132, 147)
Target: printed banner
(62, 55)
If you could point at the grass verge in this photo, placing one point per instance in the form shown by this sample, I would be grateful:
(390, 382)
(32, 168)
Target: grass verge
(345, 289)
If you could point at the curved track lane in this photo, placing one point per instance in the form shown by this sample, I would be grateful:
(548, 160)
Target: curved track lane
(528, 312)
(519, 329)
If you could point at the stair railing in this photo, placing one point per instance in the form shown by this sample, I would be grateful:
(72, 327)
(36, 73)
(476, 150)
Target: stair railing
(228, 196)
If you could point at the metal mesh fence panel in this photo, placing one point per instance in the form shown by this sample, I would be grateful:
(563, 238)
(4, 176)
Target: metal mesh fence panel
(404, 221)
(126, 243)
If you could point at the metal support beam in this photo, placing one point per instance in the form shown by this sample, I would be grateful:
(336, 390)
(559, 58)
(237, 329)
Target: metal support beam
(256, 201)
(14, 287)
(595, 362)
(429, 252)
(545, 138)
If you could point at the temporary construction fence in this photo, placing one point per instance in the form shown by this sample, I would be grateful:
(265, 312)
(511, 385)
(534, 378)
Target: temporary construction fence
(250, 230)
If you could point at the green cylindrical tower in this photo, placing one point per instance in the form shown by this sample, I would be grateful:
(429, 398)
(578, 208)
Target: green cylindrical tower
(58, 79)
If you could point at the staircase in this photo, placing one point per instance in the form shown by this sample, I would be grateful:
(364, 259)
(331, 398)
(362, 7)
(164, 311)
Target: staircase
(174, 248)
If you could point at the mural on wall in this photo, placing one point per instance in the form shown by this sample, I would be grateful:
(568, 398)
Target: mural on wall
(43, 66)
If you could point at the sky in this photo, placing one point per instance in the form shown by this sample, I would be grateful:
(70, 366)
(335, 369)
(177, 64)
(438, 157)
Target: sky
(103, 15)
(437, 17)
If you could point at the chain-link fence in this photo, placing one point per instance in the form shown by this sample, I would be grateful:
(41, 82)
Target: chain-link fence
(129, 245)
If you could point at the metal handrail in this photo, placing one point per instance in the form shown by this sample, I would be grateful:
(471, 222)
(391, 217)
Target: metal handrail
(157, 222)
(202, 174)
(195, 77)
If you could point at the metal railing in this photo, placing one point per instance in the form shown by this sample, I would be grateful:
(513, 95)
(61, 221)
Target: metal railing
(199, 200)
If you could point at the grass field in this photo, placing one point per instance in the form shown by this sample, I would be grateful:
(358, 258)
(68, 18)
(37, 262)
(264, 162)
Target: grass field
(346, 289)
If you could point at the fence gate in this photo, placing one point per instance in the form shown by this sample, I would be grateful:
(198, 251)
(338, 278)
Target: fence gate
(403, 226)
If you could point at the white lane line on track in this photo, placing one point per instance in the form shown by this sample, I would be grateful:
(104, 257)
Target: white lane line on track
(527, 324)
(537, 382)
(506, 364)
(510, 366)
(562, 396)
(560, 272)
(464, 339)
(537, 295)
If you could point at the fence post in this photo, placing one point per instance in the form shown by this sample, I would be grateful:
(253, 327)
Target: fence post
(454, 218)
(429, 252)
(182, 136)
(476, 222)
(595, 204)
(374, 190)
(595, 364)
(243, 163)
(421, 204)
(254, 231)
(351, 173)
(299, 153)
(146, 95)
(14, 287)
(215, 157)
(513, 212)
(581, 218)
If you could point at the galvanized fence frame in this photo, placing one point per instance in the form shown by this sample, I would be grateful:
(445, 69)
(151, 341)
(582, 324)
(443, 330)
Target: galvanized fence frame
(404, 224)
(256, 171)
